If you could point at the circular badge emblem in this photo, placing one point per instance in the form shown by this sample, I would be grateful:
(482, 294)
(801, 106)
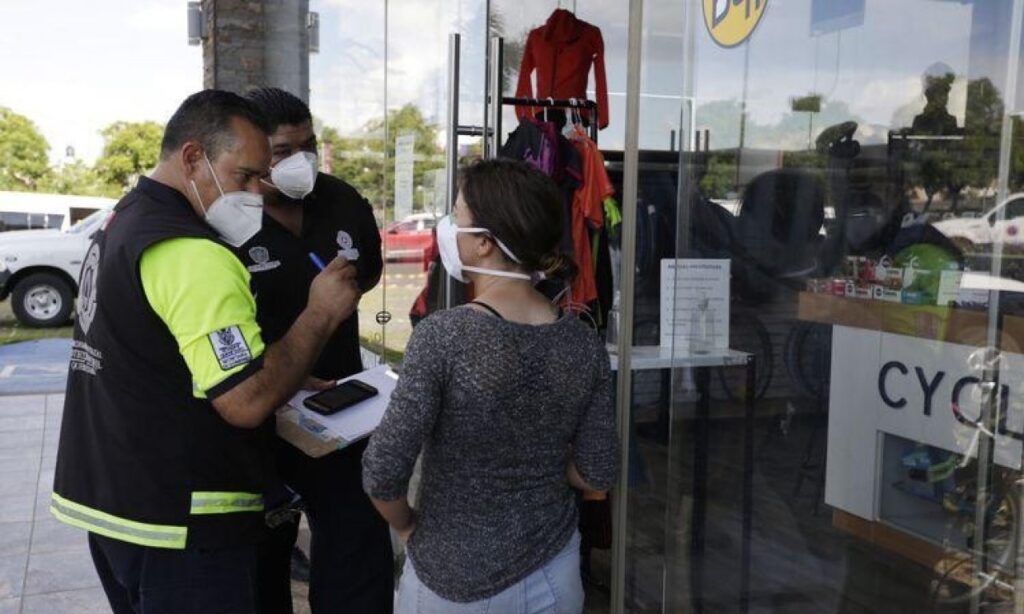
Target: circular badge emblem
(731, 22)
(259, 254)
(86, 309)
(344, 240)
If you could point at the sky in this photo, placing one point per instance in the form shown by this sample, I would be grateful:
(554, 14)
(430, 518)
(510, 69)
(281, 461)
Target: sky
(73, 67)
(873, 67)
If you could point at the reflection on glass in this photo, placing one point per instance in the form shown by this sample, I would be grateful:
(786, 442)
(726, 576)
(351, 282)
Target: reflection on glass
(378, 93)
(844, 160)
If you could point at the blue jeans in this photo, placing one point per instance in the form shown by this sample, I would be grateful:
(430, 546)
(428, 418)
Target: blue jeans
(555, 588)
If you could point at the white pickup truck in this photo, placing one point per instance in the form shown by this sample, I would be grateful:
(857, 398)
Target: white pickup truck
(988, 228)
(39, 269)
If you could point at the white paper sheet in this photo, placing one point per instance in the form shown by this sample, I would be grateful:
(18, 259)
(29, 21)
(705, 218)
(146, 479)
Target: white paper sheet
(685, 282)
(360, 420)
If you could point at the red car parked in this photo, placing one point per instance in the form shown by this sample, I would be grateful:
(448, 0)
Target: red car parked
(409, 240)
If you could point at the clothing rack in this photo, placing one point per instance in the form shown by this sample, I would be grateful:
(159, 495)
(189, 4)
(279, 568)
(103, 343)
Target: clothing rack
(558, 103)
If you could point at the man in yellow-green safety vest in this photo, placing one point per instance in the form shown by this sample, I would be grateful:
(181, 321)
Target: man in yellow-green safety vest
(160, 458)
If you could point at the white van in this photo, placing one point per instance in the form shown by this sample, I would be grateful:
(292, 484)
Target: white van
(33, 211)
(41, 255)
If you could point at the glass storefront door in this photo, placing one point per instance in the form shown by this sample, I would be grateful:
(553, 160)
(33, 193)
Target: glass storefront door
(825, 396)
(381, 89)
(827, 225)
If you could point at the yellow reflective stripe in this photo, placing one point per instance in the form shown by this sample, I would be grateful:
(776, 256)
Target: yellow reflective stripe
(83, 517)
(226, 502)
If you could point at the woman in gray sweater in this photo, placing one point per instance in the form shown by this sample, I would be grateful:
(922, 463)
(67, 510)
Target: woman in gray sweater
(510, 402)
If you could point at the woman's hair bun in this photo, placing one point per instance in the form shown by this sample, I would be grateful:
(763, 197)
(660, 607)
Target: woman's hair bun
(558, 266)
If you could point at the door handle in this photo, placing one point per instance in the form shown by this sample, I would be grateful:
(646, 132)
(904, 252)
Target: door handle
(495, 95)
(452, 138)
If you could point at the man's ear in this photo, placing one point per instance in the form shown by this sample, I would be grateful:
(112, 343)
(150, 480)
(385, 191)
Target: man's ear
(191, 157)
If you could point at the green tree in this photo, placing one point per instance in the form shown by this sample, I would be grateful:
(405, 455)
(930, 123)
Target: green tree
(78, 178)
(130, 149)
(720, 178)
(358, 159)
(366, 159)
(969, 160)
(975, 165)
(23, 150)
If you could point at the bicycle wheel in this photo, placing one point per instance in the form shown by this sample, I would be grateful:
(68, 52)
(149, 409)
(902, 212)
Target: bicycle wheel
(960, 581)
(807, 355)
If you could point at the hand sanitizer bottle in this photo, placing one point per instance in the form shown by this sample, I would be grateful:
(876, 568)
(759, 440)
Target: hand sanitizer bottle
(702, 328)
(612, 330)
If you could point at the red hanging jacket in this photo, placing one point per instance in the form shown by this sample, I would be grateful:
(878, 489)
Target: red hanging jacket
(562, 52)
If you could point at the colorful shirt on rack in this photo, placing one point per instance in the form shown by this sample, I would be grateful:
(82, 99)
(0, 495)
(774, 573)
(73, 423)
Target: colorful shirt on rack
(588, 214)
(532, 143)
(541, 145)
(562, 52)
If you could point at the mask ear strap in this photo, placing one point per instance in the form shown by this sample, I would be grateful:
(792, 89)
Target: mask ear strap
(475, 230)
(199, 198)
(504, 248)
(214, 173)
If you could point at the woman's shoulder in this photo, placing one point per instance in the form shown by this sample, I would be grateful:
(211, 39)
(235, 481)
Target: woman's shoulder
(582, 336)
(445, 322)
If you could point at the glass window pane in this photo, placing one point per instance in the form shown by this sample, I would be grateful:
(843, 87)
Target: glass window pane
(15, 221)
(835, 157)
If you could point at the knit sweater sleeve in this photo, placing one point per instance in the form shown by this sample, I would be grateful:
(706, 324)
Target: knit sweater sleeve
(596, 444)
(415, 403)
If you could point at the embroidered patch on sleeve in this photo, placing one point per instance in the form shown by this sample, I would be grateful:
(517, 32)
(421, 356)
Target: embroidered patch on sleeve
(230, 347)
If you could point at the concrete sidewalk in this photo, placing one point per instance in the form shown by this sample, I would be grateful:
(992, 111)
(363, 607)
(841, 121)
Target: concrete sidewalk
(44, 565)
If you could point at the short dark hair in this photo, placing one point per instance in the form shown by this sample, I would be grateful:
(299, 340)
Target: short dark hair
(279, 107)
(522, 207)
(206, 117)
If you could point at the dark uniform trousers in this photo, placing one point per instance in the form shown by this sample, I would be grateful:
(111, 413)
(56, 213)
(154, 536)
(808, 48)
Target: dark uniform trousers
(351, 560)
(351, 557)
(143, 580)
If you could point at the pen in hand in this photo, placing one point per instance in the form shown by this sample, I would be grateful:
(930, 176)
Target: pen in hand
(319, 264)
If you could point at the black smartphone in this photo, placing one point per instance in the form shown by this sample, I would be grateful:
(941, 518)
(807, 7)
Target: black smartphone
(344, 395)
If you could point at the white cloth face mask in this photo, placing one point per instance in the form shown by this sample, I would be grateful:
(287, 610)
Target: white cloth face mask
(295, 176)
(236, 216)
(448, 244)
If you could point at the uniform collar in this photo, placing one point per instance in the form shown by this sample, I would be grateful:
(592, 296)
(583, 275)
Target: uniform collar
(163, 193)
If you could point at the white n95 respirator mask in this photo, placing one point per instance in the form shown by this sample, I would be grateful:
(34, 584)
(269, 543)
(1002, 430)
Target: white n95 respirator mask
(295, 175)
(236, 216)
(448, 244)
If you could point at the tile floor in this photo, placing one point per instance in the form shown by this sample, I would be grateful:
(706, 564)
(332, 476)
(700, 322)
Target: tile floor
(45, 566)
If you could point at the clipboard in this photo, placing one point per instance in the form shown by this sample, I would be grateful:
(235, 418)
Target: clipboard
(318, 435)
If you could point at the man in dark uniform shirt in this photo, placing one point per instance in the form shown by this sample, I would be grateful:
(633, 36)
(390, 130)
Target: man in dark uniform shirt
(305, 212)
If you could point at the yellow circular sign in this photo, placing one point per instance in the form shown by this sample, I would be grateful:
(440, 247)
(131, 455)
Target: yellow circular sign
(730, 22)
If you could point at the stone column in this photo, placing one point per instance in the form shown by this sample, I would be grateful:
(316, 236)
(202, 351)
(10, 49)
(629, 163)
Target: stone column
(254, 43)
